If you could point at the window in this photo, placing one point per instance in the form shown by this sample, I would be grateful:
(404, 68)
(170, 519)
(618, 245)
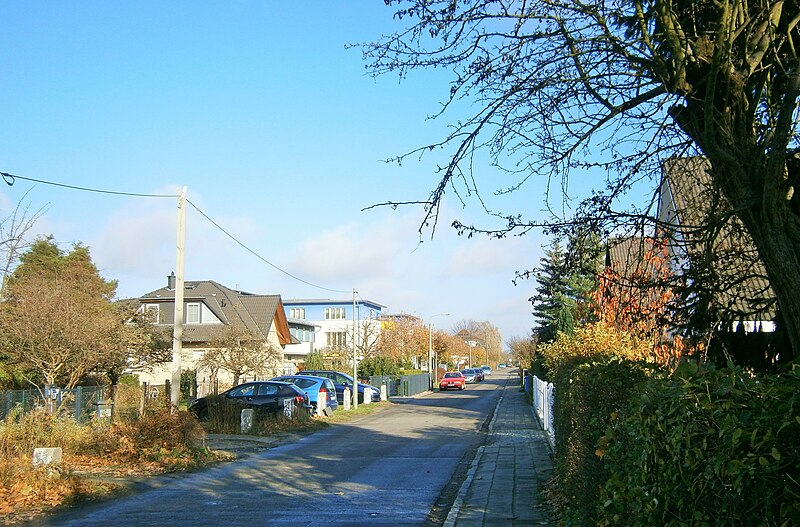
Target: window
(192, 313)
(297, 312)
(334, 313)
(338, 339)
(153, 312)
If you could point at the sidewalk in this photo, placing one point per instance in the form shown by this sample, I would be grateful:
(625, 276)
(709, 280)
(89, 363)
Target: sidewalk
(505, 481)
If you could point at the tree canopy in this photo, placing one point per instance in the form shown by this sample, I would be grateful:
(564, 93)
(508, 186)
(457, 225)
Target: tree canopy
(615, 89)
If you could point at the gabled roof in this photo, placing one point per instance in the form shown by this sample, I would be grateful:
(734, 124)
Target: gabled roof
(626, 256)
(713, 242)
(256, 313)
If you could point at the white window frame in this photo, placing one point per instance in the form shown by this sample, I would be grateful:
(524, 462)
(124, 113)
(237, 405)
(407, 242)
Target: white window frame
(335, 313)
(199, 312)
(149, 308)
(336, 339)
(297, 312)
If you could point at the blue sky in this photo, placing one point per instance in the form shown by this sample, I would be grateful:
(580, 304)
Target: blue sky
(279, 136)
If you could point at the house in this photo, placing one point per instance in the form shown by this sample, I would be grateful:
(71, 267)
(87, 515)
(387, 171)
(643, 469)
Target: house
(333, 322)
(723, 281)
(211, 311)
(711, 249)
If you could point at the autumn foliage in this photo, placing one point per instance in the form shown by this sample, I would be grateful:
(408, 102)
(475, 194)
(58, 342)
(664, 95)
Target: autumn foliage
(636, 297)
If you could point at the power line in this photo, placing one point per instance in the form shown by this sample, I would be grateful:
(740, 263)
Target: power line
(251, 251)
(10, 179)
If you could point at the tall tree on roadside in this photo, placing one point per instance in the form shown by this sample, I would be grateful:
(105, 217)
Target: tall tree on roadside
(616, 88)
(58, 319)
(553, 307)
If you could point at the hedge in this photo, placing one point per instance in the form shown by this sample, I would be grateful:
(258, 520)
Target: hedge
(704, 447)
(588, 393)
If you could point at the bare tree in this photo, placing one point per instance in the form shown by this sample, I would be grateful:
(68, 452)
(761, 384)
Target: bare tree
(614, 89)
(239, 351)
(14, 229)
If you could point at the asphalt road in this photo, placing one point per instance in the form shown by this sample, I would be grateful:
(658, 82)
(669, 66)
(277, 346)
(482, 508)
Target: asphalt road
(400, 466)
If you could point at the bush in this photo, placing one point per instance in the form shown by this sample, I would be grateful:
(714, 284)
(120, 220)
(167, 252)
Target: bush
(21, 433)
(224, 417)
(588, 394)
(705, 447)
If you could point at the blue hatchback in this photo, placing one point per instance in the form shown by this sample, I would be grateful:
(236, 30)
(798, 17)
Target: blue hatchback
(317, 388)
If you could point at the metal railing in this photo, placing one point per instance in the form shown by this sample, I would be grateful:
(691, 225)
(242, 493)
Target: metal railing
(81, 402)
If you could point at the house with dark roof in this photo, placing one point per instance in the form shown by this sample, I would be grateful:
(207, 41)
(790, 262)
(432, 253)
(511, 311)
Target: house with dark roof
(209, 309)
(710, 248)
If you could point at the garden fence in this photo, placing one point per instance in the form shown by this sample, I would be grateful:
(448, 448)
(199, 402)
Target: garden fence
(81, 402)
(402, 385)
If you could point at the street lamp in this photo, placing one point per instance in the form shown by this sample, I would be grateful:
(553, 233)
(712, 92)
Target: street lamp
(430, 347)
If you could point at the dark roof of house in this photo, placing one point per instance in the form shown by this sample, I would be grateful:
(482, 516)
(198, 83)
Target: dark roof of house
(626, 255)
(256, 313)
(714, 242)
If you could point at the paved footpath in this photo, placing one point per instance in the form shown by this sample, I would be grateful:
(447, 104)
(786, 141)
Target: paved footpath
(505, 482)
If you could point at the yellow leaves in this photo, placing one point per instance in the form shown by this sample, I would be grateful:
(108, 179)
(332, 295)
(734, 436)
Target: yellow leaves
(594, 341)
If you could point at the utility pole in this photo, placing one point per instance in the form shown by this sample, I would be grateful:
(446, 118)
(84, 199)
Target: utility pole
(177, 331)
(355, 359)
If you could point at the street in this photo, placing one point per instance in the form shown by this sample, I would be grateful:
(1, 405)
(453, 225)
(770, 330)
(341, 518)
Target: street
(389, 468)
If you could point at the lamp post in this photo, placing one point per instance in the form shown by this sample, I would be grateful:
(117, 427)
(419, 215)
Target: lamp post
(430, 347)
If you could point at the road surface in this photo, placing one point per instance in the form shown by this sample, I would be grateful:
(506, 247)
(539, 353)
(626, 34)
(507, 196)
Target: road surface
(400, 466)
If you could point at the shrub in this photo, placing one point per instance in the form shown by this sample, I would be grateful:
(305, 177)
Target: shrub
(21, 433)
(597, 341)
(588, 394)
(224, 417)
(705, 447)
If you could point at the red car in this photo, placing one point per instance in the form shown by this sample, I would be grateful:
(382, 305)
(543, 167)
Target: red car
(452, 379)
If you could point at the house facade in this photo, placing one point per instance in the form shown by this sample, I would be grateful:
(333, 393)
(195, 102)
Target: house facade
(212, 311)
(332, 321)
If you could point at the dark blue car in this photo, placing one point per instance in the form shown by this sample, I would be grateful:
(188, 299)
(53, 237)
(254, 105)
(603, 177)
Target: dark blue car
(342, 381)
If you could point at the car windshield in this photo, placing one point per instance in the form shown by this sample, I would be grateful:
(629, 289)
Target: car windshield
(452, 375)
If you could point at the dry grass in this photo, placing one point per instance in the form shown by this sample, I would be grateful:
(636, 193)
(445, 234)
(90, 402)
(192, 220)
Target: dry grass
(156, 443)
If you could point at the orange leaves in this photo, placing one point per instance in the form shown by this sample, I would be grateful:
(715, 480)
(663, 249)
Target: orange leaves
(639, 300)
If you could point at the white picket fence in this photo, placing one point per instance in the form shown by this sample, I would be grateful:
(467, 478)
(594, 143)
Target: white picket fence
(543, 404)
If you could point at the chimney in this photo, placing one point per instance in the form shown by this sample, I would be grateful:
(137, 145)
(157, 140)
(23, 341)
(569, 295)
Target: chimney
(171, 281)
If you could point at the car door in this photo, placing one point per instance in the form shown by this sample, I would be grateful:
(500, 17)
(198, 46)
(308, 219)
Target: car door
(243, 393)
(267, 398)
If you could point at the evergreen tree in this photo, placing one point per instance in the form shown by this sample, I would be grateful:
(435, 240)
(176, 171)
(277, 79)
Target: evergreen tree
(552, 305)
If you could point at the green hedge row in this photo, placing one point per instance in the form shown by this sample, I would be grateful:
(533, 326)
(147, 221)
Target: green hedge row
(699, 447)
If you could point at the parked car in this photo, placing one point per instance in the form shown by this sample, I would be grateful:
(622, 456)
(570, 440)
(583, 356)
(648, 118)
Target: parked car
(470, 375)
(452, 380)
(317, 388)
(487, 370)
(480, 376)
(265, 397)
(342, 381)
